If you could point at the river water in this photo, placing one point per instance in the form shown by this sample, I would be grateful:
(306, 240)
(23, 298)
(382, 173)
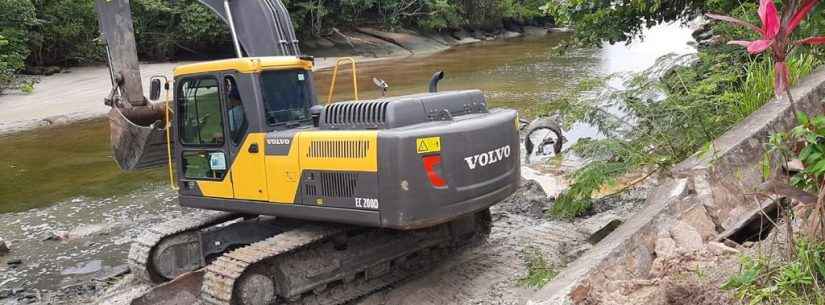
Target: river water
(67, 176)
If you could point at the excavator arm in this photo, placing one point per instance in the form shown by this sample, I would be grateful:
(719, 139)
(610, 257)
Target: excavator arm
(137, 126)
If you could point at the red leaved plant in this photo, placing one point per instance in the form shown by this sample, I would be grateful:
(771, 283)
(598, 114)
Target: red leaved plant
(776, 34)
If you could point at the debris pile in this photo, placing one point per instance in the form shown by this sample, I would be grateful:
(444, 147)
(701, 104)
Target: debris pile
(529, 200)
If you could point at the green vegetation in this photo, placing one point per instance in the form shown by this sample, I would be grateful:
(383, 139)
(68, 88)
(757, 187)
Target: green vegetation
(624, 20)
(669, 118)
(539, 271)
(796, 281)
(16, 16)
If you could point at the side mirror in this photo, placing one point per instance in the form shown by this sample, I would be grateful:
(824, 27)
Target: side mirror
(154, 89)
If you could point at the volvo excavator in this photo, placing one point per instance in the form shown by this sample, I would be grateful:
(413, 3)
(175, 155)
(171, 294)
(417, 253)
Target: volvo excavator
(307, 203)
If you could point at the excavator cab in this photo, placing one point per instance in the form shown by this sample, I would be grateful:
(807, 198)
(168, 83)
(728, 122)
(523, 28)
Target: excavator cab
(223, 109)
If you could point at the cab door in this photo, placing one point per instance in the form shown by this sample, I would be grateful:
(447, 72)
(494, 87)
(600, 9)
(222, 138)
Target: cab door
(203, 151)
(248, 166)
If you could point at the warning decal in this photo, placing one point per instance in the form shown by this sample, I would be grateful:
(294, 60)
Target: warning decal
(428, 145)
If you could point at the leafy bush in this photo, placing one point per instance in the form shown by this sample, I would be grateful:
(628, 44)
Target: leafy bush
(16, 16)
(796, 281)
(65, 33)
(617, 21)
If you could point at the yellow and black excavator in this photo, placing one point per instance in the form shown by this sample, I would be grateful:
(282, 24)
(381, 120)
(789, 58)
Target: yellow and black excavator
(308, 203)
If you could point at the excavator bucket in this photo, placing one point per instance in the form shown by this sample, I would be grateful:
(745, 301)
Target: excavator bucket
(185, 289)
(138, 137)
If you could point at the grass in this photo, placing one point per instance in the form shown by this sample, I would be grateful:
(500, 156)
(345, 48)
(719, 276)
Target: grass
(796, 281)
(47, 165)
(757, 88)
(539, 271)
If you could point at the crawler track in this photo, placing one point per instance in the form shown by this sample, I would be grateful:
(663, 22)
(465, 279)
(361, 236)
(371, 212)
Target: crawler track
(141, 251)
(309, 266)
(223, 273)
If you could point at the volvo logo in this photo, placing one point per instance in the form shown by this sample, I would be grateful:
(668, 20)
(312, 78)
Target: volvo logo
(488, 158)
(277, 141)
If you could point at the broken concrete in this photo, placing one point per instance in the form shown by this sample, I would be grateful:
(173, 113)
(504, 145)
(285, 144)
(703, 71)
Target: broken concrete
(599, 226)
(709, 193)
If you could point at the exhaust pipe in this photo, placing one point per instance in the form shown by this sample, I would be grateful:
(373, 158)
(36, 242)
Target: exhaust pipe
(437, 77)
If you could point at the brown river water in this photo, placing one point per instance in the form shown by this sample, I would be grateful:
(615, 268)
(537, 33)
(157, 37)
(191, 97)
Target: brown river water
(63, 179)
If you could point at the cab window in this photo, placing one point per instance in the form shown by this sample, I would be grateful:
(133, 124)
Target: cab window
(235, 111)
(200, 117)
(287, 97)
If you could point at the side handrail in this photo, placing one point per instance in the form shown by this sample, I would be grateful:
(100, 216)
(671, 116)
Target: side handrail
(168, 131)
(338, 63)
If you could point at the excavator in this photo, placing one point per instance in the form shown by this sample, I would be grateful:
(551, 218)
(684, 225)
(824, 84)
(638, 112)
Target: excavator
(304, 202)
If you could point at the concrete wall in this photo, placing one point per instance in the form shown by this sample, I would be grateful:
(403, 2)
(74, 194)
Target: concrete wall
(706, 195)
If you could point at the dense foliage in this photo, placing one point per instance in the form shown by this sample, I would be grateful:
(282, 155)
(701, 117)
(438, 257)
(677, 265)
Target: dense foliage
(65, 32)
(16, 17)
(623, 20)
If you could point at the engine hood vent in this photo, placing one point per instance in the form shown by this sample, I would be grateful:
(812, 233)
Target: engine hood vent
(370, 115)
(394, 112)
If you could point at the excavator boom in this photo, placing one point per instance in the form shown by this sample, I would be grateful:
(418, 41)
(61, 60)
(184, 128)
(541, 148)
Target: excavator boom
(138, 127)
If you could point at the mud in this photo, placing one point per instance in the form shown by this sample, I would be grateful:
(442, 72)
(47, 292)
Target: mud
(488, 273)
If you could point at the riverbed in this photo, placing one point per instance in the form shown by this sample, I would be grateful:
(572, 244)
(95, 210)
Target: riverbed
(66, 175)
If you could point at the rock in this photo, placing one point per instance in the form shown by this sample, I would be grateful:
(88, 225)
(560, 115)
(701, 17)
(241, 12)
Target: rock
(665, 247)
(57, 120)
(460, 34)
(641, 261)
(509, 35)
(702, 31)
(110, 273)
(559, 30)
(478, 34)
(686, 236)
(56, 236)
(467, 40)
(714, 41)
(14, 262)
(701, 36)
(413, 42)
(4, 247)
(86, 230)
(325, 43)
(699, 219)
(721, 249)
(534, 31)
(529, 200)
(310, 44)
(84, 268)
